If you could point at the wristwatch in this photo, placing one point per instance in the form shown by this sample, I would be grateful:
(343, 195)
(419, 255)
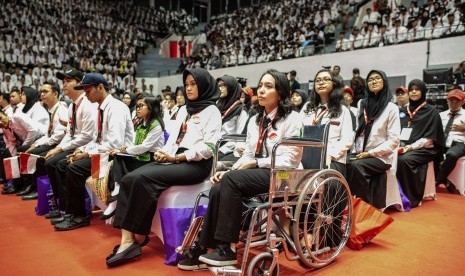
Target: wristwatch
(176, 159)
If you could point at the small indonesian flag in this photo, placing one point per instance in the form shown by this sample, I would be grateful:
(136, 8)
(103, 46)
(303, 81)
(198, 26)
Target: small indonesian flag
(27, 163)
(99, 165)
(11, 167)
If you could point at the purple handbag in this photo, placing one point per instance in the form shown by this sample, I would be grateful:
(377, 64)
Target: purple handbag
(174, 225)
(43, 188)
(405, 201)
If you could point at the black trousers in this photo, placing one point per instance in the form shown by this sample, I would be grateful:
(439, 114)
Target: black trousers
(4, 153)
(367, 180)
(73, 178)
(141, 188)
(224, 214)
(31, 179)
(123, 165)
(411, 173)
(51, 169)
(456, 150)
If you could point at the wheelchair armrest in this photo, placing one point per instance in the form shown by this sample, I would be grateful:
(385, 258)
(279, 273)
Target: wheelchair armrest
(234, 138)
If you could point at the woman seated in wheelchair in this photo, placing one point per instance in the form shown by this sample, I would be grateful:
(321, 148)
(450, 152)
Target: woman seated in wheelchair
(186, 159)
(149, 138)
(324, 107)
(250, 175)
(376, 139)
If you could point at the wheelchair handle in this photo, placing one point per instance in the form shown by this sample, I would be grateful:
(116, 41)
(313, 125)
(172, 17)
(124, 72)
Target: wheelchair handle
(226, 138)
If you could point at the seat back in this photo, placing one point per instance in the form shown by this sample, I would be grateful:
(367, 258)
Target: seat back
(457, 176)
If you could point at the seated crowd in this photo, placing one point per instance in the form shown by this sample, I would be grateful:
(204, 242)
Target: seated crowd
(40, 38)
(155, 145)
(432, 21)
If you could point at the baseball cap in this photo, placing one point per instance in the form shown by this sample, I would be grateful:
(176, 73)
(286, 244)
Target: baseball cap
(349, 90)
(72, 74)
(456, 94)
(401, 89)
(92, 79)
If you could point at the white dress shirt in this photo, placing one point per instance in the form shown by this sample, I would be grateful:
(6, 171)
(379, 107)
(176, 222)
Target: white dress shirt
(57, 112)
(234, 126)
(24, 128)
(39, 115)
(85, 124)
(203, 131)
(458, 136)
(117, 127)
(286, 157)
(340, 137)
(152, 142)
(385, 134)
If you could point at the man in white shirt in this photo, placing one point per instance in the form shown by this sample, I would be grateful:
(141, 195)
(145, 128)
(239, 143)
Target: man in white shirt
(114, 130)
(18, 131)
(342, 43)
(80, 131)
(417, 32)
(398, 33)
(371, 16)
(453, 122)
(50, 92)
(356, 39)
(435, 30)
(452, 27)
(15, 100)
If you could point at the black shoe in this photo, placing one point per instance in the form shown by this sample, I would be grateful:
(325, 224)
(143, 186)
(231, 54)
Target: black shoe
(192, 259)
(25, 191)
(72, 223)
(9, 190)
(105, 217)
(30, 196)
(450, 187)
(142, 244)
(53, 214)
(222, 256)
(130, 253)
(60, 219)
(3, 181)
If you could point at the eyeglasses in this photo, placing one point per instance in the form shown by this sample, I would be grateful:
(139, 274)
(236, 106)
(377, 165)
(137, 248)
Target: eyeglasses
(323, 80)
(222, 85)
(377, 79)
(140, 106)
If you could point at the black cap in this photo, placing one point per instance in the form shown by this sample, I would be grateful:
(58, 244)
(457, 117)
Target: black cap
(72, 74)
(92, 79)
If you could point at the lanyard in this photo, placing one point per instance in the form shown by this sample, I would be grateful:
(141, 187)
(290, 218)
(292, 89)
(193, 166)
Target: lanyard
(411, 115)
(50, 126)
(262, 133)
(319, 116)
(73, 117)
(183, 130)
(229, 109)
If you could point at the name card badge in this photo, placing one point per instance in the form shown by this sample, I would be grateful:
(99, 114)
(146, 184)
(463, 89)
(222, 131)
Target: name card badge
(359, 144)
(405, 134)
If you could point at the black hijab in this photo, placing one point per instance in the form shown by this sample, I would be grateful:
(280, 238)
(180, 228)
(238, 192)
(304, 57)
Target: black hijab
(132, 104)
(208, 90)
(426, 123)
(32, 96)
(234, 94)
(304, 97)
(373, 104)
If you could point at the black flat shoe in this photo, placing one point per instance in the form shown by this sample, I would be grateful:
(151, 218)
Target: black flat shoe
(30, 196)
(127, 255)
(142, 244)
(53, 214)
(72, 223)
(9, 190)
(450, 187)
(25, 191)
(105, 217)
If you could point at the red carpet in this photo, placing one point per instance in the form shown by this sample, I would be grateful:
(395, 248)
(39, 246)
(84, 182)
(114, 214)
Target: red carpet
(428, 240)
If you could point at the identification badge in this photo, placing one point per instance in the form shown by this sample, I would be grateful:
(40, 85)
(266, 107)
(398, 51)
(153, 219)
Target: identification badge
(359, 144)
(405, 134)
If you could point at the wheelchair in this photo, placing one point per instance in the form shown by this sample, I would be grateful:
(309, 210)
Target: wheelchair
(315, 205)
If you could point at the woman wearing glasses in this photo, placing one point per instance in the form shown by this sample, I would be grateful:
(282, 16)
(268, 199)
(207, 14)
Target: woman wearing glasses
(325, 106)
(422, 140)
(148, 139)
(186, 159)
(376, 139)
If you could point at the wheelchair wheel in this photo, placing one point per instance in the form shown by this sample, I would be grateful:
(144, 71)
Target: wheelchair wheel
(261, 264)
(323, 218)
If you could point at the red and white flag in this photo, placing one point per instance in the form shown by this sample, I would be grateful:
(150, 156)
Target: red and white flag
(99, 165)
(27, 162)
(11, 167)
